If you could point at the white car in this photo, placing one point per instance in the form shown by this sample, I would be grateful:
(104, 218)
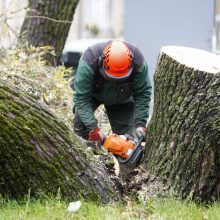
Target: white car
(74, 50)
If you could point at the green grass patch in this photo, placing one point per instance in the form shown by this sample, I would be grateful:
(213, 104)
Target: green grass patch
(158, 209)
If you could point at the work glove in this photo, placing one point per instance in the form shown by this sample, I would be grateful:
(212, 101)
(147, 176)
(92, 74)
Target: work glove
(96, 135)
(141, 132)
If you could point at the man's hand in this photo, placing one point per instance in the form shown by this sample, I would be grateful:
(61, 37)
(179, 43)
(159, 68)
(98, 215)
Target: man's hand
(96, 135)
(141, 132)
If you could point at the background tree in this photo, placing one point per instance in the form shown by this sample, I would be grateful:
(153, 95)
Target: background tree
(47, 23)
(183, 143)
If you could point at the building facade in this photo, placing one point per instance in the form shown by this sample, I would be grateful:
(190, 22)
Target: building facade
(98, 19)
(11, 17)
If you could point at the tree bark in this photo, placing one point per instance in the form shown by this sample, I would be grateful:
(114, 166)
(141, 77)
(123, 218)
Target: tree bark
(40, 153)
(183, 143)
(47, 23)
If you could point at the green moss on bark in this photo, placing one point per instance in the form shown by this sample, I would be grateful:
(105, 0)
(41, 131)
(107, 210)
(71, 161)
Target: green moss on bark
(39, 153)
(183, 143)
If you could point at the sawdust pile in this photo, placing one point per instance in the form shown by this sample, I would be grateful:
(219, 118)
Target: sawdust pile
(143, 185)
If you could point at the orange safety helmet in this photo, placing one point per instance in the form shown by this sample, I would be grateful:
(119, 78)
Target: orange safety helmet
(117, 61)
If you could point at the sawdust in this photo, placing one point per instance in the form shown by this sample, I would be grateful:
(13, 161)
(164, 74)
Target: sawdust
(130, 181)
(143, 185)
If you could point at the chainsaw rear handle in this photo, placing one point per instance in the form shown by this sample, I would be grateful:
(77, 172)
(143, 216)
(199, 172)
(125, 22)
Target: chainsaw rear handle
(135, 155)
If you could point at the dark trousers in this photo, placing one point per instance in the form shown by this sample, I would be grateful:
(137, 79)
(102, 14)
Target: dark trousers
(121, 118)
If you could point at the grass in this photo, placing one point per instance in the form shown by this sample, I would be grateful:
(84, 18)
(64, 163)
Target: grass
(154, 209)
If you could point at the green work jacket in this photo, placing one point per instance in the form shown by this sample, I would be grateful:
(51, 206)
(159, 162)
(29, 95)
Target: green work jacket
(138, 92)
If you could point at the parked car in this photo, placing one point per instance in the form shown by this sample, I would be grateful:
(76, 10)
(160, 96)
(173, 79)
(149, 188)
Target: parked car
(74, 50)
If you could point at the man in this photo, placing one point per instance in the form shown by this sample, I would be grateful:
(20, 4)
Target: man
(114, 74)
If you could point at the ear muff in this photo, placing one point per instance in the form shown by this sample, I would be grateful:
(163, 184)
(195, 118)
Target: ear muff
(101, 60)
(132, 59)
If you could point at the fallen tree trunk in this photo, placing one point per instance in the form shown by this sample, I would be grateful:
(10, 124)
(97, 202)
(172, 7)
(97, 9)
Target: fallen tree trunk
(40, 154)
(183, 143)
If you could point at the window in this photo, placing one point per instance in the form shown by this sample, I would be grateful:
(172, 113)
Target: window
(98, 16)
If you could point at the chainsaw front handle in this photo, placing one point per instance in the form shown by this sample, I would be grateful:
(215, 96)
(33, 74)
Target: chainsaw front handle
(135, 156)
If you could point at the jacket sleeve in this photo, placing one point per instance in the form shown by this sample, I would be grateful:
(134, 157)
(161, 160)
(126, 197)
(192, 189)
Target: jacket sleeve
(142, 95)
(83, 86)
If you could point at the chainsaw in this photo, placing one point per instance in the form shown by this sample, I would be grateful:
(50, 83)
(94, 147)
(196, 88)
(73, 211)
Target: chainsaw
(125, 148)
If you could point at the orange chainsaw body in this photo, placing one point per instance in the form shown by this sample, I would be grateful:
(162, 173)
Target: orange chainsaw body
(119, 145)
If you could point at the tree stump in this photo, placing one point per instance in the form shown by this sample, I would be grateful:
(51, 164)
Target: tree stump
(183, 143)
(40, 154)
